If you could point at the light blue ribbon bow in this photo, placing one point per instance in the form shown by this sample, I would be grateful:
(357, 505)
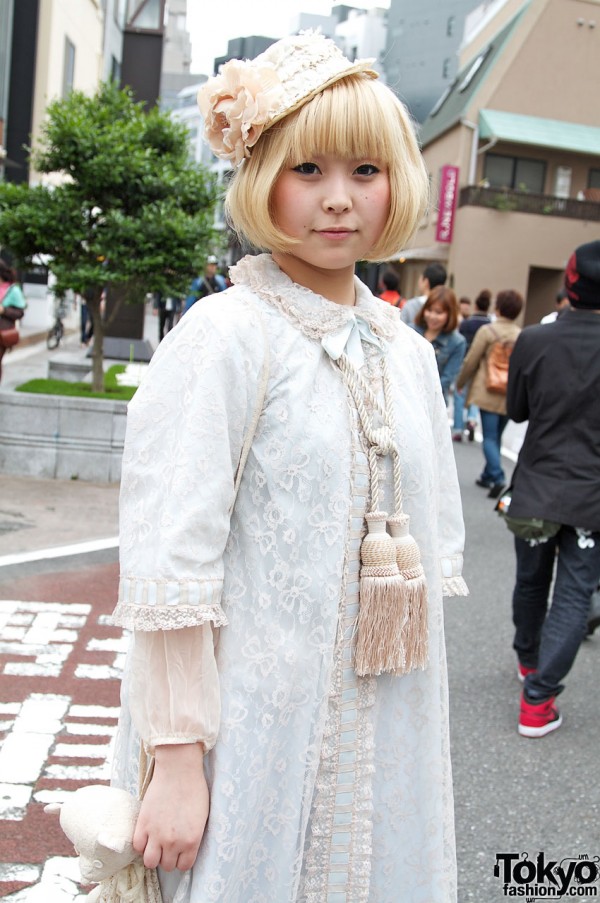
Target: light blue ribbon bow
(349, 339)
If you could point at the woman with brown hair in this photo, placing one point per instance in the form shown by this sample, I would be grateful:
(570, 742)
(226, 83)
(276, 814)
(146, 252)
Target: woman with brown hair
(437, 322)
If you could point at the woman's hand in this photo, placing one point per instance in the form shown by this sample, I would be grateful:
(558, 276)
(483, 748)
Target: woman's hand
(174, 810)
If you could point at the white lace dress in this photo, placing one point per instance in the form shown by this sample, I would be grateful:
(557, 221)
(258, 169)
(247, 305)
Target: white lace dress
(325, 787)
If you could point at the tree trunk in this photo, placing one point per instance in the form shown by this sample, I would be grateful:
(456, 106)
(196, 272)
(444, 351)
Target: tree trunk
(94, 302)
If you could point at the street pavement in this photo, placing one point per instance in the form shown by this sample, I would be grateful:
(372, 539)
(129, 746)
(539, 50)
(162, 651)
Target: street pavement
(59, 693)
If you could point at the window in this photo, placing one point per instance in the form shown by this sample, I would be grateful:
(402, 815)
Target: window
(119, 10)
(520, 173)
(115, 70)
(594, 178)
(450, 26)
(68, 68)
(474, 69)
(446, 68)
(442, 100)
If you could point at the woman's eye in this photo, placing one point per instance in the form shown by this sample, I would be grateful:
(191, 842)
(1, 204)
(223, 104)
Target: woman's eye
(367, 169)
(307, 169)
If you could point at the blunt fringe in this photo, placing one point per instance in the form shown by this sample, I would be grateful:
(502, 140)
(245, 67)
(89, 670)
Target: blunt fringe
(356, 118)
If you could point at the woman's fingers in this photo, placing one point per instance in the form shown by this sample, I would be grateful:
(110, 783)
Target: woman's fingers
(174, 810)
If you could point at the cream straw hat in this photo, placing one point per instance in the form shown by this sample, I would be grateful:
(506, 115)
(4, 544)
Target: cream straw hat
(249, 96)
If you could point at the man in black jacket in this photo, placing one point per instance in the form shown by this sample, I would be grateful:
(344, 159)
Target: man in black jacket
(553, 383)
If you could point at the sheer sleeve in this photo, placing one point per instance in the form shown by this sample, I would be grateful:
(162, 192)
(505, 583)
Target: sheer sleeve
(174, 687)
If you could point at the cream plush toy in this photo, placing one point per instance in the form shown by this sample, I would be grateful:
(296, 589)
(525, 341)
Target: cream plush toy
(100, 821)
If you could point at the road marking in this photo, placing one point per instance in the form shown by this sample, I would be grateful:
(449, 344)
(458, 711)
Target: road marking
(79, 548)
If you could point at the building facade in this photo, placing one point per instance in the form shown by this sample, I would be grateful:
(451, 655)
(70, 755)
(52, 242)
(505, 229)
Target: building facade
(423, 39)
(513, 150)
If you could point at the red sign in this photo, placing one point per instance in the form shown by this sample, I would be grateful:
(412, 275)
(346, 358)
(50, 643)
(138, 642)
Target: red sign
(447, 204)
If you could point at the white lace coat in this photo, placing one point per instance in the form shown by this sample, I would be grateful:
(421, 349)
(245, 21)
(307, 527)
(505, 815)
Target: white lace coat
(279, 576)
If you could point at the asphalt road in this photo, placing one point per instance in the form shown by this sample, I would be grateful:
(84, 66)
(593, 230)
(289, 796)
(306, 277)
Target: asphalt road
(512, 794)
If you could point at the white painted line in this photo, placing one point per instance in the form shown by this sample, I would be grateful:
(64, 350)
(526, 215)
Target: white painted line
(69, 608)
(79, 772)
(80, 548)
(91, 730)
(23, 756)
(93, 711)
(16, 871)
(98, 672)
(25, 669)
(14, 799)
(80, 751)
(114, 644)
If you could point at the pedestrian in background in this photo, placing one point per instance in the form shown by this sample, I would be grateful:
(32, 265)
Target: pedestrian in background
(207, 284)
(491, 404)
(468, 327)
(12, 303)
(390, 291)
(437, 322)
(433, 275)
(169, 308)
(464, 309)
(268, 673)
(562, 304)
(553, 384)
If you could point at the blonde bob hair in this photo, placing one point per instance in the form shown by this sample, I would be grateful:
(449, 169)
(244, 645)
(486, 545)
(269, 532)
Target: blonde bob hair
(356, 118)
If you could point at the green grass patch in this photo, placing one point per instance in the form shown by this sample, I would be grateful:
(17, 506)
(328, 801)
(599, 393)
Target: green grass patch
(113, 391)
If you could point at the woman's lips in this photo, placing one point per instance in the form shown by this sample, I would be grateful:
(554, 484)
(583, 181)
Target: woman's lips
(336, 234)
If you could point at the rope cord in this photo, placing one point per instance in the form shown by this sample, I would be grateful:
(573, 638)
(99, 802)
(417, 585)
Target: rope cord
(381, 440)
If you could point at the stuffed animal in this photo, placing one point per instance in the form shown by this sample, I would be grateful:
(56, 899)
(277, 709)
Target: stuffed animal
(100, 821)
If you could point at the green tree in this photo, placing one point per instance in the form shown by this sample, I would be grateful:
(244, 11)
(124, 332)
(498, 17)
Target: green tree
(129, 208)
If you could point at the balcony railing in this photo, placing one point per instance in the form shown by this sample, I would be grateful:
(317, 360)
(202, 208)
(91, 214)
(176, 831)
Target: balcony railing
(523, 202)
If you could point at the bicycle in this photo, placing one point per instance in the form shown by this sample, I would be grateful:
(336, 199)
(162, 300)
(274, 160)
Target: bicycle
(58, 330)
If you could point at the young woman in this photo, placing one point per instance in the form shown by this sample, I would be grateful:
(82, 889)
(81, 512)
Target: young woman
(438, 322)
(12, 302)
(298, 693)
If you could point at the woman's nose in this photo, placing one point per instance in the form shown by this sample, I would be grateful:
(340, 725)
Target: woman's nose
(337, 198)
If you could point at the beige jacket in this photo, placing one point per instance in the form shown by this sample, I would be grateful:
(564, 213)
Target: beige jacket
(474, 368)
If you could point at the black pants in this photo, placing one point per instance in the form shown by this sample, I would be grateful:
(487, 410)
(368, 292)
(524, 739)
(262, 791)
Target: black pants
(548, 639)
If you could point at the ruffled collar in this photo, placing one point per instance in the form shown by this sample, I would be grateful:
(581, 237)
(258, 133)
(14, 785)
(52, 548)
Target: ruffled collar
(312, 314)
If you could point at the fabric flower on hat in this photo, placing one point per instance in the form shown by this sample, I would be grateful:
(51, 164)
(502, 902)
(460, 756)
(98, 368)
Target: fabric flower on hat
(236, 105)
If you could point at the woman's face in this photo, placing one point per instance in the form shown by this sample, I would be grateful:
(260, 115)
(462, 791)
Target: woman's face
(337, 209)
(435, 317)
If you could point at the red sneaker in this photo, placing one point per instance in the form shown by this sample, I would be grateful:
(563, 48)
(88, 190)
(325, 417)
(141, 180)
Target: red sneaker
(538, 720)
(523, 671)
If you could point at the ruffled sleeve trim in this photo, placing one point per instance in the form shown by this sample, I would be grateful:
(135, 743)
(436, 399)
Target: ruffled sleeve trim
(454, 586)
(453, 583)
(148, 604)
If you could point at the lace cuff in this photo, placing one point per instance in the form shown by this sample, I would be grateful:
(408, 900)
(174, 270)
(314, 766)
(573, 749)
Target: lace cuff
(145, 604)
(453, 583)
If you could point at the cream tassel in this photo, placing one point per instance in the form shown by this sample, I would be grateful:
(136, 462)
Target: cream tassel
(382, 610)
(133, 884)
(408, 559)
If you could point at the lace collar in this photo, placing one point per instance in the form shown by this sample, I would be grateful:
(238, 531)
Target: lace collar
(312, 314)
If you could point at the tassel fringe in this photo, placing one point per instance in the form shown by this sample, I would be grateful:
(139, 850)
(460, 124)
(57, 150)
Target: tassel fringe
(382, 610)
(408, 558)
(133, 884)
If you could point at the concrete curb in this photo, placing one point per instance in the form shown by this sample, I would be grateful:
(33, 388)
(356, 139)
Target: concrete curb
(61, 437)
